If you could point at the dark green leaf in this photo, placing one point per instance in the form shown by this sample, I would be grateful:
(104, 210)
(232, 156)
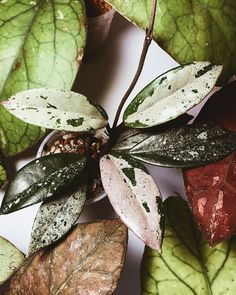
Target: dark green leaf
(42, 179)
(55, 218)
(56, 109)
(189, 146)
(189, 30)
(10, 259)
(171, 94)
(134, 196)
(187, 265)
(41, 45)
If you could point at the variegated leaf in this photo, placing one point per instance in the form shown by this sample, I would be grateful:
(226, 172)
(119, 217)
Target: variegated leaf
(134, 196)
(42, 179)
(55, 218)
(10, 259)
(187, 265)
(56, 109)
(171, 94)
(190, 146)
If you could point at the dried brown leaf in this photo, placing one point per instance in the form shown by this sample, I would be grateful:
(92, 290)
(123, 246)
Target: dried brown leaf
(88, 261)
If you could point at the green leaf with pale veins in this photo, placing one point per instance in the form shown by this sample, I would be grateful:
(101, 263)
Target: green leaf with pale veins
(189, 30)
(187, 265)
(41, 44)
(42, 179)
(55, 218)
(56, 109)
(171, 94)
(10, 259)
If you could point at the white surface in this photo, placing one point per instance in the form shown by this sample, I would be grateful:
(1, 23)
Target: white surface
(105, 80)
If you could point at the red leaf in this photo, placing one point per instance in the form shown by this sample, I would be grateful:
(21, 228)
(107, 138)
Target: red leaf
(211, 189)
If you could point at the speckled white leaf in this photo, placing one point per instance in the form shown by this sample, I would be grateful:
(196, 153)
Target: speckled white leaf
(134, 196)
(56, 109)
(10, 259)
(55, 218)
(172, 94)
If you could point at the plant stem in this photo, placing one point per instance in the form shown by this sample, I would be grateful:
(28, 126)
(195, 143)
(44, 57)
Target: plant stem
(146, 44)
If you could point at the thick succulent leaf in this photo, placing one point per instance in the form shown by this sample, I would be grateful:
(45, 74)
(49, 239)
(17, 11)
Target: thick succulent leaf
(55, 218)
(41, 179)
(88, 261)
(171, 94)
(187, 265)
(130, 137)
(187, 33)
(10, 259)
(56, 109)
(41, 45)
(189, 146)
(3, 173)
(134, 196)
(211, 189)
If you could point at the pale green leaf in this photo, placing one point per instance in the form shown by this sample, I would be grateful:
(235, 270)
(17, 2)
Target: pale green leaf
(191, 29)
(41, 44)
(171, 94)
(187, 265)
(134, 196)
(56, 109)
(10, 259)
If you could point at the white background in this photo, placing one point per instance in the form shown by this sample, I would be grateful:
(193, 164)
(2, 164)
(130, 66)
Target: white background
(105, 80)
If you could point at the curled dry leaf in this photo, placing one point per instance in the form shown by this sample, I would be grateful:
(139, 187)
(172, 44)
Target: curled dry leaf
(187, 265)
(171, 94)
(88, 261)
(134, 196)
(10, 259)
(211, 189)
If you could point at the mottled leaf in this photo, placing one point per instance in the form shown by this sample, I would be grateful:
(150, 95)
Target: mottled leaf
(56, 109)
(10, 259)
(41, 179)
(55, 218)
(88, 261)
(3, 172)
(187, 265)
(171, 94)
(185, 32)
(189, 146)
(41, 45)
(211, 189)
(134, 196)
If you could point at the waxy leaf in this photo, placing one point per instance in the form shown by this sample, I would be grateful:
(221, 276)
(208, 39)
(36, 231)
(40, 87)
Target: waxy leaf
(189, 146)
(3, 173)
(10, 259)
(55, 218)
(171, 94)
(187, 265)
(41, 45)
(185, 32)
(88, 261)
(134, 196)
(56, 109)
(211, 189)
(41, 179)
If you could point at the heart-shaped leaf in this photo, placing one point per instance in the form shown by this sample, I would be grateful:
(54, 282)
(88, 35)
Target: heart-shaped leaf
(134, 196)
(41, 45)
(55, 218)
(211, 189)
(187, 265)
(189, 146)
(171, 94)
(10, 259)
(3, 173)
(41, 179)
(88, 261)
(56, 109)
(187, 33)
